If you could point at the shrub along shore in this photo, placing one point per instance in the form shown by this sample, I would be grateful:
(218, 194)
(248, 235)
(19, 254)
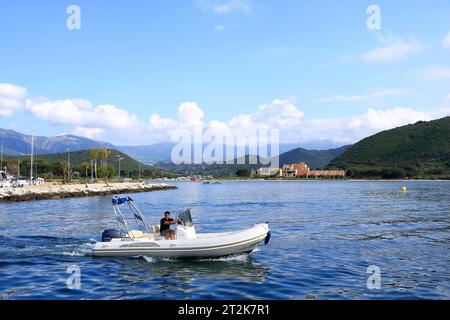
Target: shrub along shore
(59, 191)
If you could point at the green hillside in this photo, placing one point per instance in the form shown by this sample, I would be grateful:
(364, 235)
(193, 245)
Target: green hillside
(421, 150)
(215, 170)
(314, 158)
(51, 165)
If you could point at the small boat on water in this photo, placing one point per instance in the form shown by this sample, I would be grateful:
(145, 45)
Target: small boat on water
(212, 182)
(146, 240)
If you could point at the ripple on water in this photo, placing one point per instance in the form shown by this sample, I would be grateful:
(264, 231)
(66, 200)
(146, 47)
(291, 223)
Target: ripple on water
(324, 236)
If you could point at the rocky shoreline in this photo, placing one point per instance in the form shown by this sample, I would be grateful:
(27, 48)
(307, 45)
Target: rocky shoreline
(76, 191)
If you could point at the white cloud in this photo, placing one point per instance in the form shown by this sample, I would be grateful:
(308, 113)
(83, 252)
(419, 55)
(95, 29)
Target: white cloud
(157, 122)
(387, 119)
(91, 133)
(11, 98)
(278, 114)
(294, 128)
(446, 42)
(225, 7)
(81, 113)
(338, 131)
(12, 91)
(352, 129)
(190, 114)
(434, 73)
(119, 126)
(393, 50)
(380, 93)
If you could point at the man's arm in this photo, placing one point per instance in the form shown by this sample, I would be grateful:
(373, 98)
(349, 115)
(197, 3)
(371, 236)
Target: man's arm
(171, 222)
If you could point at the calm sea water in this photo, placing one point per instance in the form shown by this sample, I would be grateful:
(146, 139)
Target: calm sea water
(324, 237)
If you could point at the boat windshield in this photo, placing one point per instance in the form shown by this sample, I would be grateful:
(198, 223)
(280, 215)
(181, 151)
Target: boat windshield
(185, 218)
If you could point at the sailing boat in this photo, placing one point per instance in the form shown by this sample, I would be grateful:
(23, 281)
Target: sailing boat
(34, 180)
(5, 179)
(32, 153)
(1, 155)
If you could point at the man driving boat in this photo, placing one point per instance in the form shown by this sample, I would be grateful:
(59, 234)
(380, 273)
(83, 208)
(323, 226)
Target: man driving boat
(165, 226)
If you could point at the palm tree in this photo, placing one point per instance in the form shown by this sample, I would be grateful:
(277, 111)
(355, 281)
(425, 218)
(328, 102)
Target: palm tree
(104, 154)
(85, 166)
(94, 153)
(65, 172)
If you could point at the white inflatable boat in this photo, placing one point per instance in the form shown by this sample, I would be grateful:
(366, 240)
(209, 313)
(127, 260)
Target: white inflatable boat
(147, 241)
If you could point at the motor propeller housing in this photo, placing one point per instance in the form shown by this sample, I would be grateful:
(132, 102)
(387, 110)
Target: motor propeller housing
(110, 234)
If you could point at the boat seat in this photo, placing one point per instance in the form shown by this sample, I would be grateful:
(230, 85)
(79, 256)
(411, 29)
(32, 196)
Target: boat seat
(150, 236)
(135, 234)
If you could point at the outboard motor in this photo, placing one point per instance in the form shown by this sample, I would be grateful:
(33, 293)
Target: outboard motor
(110, 234)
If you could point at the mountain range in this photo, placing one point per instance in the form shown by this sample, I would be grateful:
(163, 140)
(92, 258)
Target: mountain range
(15, 143)
(420, 150)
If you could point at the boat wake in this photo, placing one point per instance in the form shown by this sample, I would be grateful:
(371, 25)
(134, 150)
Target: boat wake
(30, 246)
(83, 250)
(149, 259)
(234, 258)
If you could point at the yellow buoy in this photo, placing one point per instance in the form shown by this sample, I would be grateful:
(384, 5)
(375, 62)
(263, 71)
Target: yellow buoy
(404, 189)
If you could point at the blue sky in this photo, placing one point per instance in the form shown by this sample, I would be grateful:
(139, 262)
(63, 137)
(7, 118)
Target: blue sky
(317, 69)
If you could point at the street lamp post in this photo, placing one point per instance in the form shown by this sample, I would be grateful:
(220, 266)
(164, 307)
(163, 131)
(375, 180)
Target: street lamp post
(119, 158)
(92, 170)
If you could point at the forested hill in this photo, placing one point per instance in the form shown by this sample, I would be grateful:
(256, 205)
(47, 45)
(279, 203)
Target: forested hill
(420, 150)
(52, 165)
(314, 158)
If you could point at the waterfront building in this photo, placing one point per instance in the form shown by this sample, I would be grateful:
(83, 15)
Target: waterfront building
(301, 170)
(268, 172)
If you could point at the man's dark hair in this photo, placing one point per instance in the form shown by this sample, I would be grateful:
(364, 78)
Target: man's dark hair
(167, 212)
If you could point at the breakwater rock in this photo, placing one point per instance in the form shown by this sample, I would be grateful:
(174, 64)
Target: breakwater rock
(72, 191)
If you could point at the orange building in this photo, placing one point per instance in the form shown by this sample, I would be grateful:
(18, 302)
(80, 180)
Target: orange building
(295, 170)
(301, 170)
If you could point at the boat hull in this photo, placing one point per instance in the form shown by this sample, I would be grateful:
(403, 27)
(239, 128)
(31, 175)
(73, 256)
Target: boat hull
(205, 246)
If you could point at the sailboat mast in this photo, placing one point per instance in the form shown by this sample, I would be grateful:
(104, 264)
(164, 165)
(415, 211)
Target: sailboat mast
(32, 153)
(35, 162)
(1, 156)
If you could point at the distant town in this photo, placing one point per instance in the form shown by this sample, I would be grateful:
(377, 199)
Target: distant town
(297, 171)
